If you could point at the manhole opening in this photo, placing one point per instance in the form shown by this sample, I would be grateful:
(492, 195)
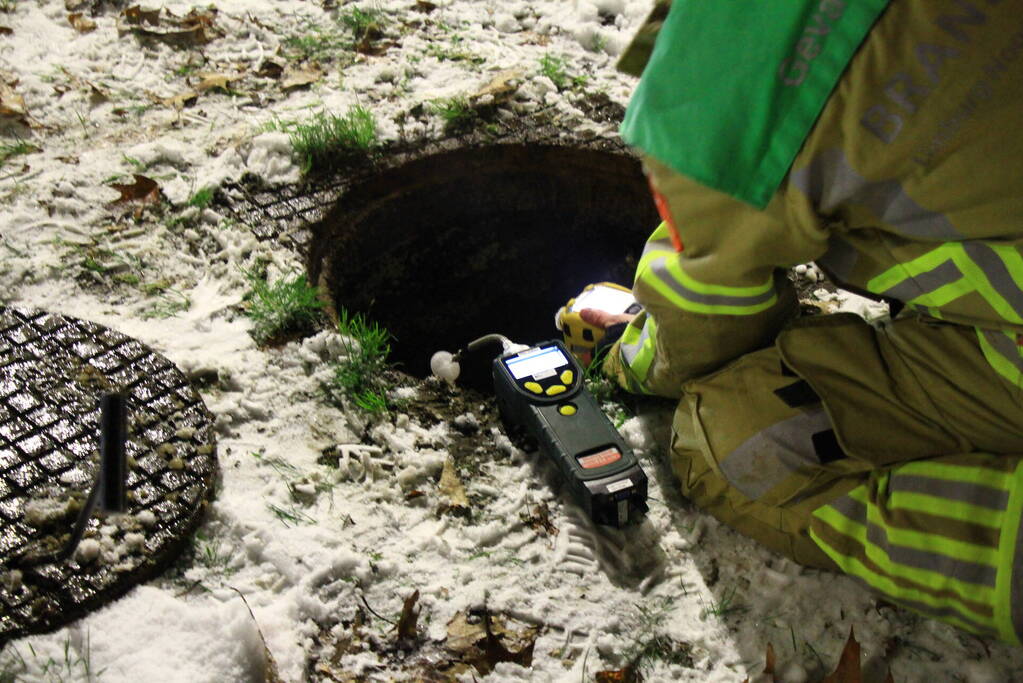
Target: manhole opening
(448, 247)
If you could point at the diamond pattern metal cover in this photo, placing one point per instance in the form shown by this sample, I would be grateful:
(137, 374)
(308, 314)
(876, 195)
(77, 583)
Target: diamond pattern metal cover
(53, 371)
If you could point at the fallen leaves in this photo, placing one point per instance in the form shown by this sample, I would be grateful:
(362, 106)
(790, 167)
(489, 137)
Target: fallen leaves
(540, 520)
(140, 194)
(848, 670)
(81, 23)
(294, 78)
(195, 29)
(216, 81)
(627, 675)
(145, 190)
(481, 643)
(407, 623)
(12, 105)
(451, 488)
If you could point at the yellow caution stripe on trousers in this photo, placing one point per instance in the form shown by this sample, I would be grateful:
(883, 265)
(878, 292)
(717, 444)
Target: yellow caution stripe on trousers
(941, 537)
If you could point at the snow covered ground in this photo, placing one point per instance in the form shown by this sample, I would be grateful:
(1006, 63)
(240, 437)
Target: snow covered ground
(88, 99)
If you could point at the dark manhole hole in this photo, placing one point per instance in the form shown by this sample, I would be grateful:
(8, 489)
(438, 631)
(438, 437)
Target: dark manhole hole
(53, 371)
(443, 248)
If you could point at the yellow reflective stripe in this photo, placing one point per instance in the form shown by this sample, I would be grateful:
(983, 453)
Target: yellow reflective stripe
(1009, 600)
(1007, 358)
(900, 272)
(665, 276)
(969, 473)
(947, 273)
(886, 584)
(637, 350)
(675, 268)
(956, 509)
(928, 578)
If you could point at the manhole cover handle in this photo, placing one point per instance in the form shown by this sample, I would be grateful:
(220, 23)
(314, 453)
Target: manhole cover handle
(113, 464)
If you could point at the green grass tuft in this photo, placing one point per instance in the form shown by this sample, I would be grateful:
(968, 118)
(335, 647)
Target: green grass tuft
(456, 112)
(556, 69)
(8, 151)
(202, 198)
(288, 306)
(320, 143)
(359, 374)
(362, 23)
(319, 45)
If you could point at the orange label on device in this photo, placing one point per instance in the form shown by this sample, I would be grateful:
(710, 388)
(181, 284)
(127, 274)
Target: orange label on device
(595, 460)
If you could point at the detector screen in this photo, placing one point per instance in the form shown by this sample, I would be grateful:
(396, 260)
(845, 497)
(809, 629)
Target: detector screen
(605, 299)
(536, 362)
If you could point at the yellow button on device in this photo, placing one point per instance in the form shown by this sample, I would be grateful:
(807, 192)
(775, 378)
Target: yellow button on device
(556, 389)
(534, 387)
(567, 409)
(567, 376)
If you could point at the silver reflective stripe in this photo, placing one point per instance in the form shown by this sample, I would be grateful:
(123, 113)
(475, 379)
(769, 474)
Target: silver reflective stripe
(659, 268)
(769, 456)
(830, 182)
(997, 273)
(949, 567)
(856, 511)
(970, 572)
(1005, 346)
(657, 245)
(840, 258)
(974, 494)
(943, 274)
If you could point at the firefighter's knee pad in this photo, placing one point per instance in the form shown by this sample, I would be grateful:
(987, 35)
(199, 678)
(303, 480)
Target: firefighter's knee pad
(754, 447)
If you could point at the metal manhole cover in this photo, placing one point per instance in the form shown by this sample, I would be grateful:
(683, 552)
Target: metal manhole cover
(53, 371)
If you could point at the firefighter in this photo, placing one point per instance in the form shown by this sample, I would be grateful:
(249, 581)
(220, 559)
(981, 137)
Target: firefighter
(881, 140)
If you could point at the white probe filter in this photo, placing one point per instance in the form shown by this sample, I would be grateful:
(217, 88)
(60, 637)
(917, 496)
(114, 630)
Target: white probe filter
(443, 366)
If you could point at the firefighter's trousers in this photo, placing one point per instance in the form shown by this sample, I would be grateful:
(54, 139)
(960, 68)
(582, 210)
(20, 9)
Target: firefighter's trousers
(892, 454)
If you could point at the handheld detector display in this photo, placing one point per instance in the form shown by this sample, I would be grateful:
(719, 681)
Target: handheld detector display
(540, 391)
(538, 363)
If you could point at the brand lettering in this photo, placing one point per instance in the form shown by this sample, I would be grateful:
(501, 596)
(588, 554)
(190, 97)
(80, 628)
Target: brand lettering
(903, 92)
(793, 70)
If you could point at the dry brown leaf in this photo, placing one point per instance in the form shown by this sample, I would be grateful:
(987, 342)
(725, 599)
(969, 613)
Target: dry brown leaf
(407, 628)
(300, 78)
(194, 29)
(270, 69)
(627, 675)
(502, 86)
(493, 652)
(540, 520)
(6, 30)
(450, 487)
(144, 190)
(479, 644)
(770, 661)
(214, 81)
(81, 23)
(848, 670)
(185, 99)
(137, 16)
(12, 105)
(463, 636)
